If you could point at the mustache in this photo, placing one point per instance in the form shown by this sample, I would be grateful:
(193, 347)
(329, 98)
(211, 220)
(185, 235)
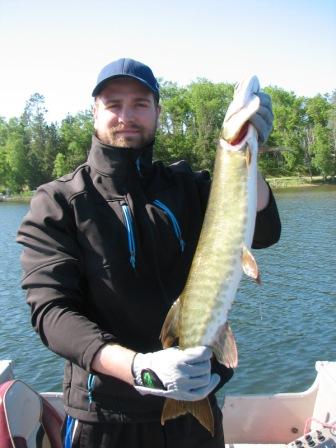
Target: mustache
(132, 127)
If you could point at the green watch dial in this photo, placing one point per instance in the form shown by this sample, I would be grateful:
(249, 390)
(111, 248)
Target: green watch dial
(151, 380)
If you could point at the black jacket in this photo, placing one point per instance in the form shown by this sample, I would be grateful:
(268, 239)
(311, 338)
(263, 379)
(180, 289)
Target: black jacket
(107, 249)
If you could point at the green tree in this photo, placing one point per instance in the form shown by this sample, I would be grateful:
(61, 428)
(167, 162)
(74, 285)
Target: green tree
(321, 148)
(75, 136)
(40, 141)
(3, 161)
(287, 130)
(14, 157)
(174, 139)
(209, 103)
(303, 138)
(332, 127)
(318, 113)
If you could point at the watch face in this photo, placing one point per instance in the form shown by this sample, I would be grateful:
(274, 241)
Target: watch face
(151, 380)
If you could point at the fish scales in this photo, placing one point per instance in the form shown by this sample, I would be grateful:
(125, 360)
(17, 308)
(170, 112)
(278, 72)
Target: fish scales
(217, 256)
(199, 316)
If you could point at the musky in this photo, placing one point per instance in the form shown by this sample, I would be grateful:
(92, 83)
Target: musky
(57, 48)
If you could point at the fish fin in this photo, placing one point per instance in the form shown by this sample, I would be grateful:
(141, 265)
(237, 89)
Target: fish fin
(169, 332)
(201, 410)
(225, 349)
(250, 266)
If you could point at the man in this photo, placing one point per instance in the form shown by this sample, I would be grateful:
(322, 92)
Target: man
(107, 250)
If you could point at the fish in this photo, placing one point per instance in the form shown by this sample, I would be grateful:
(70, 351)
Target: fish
(200, 315)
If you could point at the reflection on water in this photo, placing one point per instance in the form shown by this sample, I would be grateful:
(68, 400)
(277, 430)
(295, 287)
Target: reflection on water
(282, 327)
(287, 324)
(34, 363)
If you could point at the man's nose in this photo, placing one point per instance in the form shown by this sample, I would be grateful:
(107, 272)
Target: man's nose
(126, 114)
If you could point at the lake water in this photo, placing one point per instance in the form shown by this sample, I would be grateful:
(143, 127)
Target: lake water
(282, 327)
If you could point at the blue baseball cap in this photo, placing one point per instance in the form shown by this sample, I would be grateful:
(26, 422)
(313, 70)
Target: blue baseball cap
(128, 68)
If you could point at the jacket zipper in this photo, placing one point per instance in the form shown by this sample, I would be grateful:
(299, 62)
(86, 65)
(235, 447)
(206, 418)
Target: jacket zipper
(90, 385)
(169, 213)
(173, 220)
(130, 228)
(130, 233)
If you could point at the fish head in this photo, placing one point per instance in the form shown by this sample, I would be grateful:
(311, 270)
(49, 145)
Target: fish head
(245, 103)
(245, 142)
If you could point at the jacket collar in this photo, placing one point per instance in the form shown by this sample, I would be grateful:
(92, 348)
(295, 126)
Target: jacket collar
(110, 160)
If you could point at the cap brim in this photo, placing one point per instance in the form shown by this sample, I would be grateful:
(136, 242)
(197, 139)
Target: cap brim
(99, 87)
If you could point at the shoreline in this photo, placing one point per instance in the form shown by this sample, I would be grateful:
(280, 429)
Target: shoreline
(282, 183)
(276, 183)
(16, 198)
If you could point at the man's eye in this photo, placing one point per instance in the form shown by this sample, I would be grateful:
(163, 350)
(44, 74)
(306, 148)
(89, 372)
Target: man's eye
(111, 105)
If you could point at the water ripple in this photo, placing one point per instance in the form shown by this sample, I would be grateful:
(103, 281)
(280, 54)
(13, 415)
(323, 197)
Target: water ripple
(282, 327)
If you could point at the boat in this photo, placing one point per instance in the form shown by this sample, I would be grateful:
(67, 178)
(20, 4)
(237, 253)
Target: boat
(294, 420)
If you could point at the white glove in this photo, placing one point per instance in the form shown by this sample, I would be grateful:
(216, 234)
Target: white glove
(174, 373)
(262, 120)
(249, 104)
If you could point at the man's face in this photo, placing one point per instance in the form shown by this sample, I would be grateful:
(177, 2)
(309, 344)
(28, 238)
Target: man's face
(126, 114)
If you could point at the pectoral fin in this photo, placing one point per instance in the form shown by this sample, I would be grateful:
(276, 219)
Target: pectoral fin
(249, 265)
(225, 349)
(199, 409)
(169, 332)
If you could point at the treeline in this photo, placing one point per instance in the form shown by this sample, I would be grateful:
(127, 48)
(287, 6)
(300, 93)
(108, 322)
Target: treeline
(303, 141)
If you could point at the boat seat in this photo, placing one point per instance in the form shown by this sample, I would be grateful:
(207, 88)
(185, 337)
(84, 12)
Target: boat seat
(27, 420)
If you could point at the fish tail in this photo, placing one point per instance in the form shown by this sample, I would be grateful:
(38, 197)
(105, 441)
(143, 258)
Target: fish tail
(201, 410)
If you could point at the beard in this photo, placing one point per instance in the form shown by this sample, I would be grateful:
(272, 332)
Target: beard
(135, 136)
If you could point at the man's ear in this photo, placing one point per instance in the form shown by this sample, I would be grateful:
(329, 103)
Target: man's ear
(94, 113)
(158, 116)
(94, 109)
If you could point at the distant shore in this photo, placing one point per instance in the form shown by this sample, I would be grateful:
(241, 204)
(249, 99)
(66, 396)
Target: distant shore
(298, 182)
(16, 198)
(277, 183)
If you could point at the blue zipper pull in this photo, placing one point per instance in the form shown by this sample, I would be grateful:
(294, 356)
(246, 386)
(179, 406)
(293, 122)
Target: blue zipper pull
(90, 384)
(68, 431)
(130, 233)
(173, 220)
(138, 165)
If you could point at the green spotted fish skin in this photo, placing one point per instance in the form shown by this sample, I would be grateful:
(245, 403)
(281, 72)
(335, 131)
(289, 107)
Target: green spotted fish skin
(200, 315)
(216, 267)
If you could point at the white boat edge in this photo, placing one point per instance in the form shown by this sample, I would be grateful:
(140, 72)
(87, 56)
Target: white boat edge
(254, 420)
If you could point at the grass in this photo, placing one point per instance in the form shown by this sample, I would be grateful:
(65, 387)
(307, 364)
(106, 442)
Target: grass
(22, 197)
(295, 181)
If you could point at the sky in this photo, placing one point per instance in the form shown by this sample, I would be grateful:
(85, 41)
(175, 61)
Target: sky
(57, 48)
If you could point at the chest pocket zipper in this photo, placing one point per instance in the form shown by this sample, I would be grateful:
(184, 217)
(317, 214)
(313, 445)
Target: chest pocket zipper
(175, 224)
(130, 230)
(90, 385)
(130, 233)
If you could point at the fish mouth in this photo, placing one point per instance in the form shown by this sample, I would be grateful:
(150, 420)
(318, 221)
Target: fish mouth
(239, 135)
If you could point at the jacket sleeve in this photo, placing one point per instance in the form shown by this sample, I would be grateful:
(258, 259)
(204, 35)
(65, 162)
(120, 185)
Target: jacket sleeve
(268, 225)
(51, 262)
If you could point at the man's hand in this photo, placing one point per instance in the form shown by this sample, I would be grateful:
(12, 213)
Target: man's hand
(174, 373)
(262, 120)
